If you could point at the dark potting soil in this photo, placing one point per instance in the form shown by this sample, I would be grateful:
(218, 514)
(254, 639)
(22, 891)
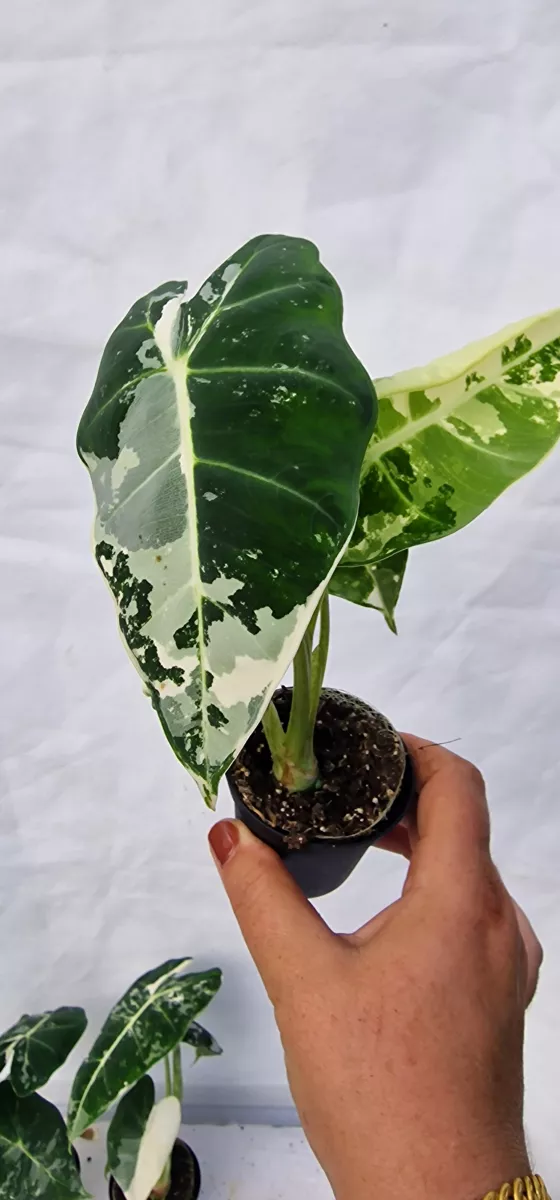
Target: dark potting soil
(185, 1176)
(361, 762)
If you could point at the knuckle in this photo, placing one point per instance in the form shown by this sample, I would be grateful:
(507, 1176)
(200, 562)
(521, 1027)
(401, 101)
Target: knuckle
(473, 776)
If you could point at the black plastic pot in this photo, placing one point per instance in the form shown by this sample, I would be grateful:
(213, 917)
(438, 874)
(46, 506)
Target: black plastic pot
(323, 864)
(185, 1175)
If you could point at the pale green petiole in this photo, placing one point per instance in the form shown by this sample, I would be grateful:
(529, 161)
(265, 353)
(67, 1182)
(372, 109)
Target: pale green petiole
(293, 756)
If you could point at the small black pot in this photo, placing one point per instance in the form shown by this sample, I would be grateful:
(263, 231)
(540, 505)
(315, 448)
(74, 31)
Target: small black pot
(323, 864)
(185, 1175)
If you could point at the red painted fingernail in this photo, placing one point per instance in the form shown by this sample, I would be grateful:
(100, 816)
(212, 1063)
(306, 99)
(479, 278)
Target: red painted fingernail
(224, 840)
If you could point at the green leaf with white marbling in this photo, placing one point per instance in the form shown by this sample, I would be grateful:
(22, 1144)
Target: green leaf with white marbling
(127, 1129)
(224, 437)
(145, 1025)
(36, 1161)
(38, 1044)
(452, 436)
(375, 585)
(140, 1139)
(203, 1043)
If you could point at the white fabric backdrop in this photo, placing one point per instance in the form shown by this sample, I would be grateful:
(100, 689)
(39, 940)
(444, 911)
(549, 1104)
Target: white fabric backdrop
(419, 145)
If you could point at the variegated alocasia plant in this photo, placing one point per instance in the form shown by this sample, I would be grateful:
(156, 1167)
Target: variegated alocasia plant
(240, 477)
(149, 1023)
(224, 437)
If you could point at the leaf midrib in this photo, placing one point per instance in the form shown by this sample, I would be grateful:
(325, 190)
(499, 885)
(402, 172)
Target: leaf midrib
(178, 369)
(20, 1146)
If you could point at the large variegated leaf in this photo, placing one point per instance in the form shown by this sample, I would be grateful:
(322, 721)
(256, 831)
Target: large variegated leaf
(39, 1044)
(453, 435)
(145, 1025)
(203, 1042)
(375, 585)
(36, 1161)
(224, 437)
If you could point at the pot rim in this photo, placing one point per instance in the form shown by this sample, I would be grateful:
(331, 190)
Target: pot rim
(390, 818)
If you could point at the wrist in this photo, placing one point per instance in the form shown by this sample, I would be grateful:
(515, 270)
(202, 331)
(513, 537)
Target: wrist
(450, 1173)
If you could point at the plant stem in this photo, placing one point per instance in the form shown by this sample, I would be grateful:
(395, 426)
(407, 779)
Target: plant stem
(167, 1068)
(300, 770)
(177, 1074)
(293, 757)
(275, 737)
(319, 658)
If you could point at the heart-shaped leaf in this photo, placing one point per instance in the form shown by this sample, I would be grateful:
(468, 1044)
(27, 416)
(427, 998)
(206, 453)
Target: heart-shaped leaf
(224, 437)
(203, 1043)
(39, 1044)
(145, 1025)
(453, 435)
(36, 1161)
(375, 585)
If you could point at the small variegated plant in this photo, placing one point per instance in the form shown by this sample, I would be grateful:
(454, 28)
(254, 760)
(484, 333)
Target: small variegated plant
(147, 1025)
(245, 467)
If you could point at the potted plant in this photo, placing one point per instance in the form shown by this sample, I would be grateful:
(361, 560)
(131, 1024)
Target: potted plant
(145, 1158)
(245, 468)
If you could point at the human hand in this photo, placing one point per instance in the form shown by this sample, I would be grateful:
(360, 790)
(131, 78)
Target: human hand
(404, 1040)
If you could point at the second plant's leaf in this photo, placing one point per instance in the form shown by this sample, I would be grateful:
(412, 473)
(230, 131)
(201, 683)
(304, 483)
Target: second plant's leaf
(452, 436)
(154, 1149)
(36, 1161)
(224, 437)
(375, 585)
(145, 1025)
(39, 1044)
(127, 1129)
(203, 1043)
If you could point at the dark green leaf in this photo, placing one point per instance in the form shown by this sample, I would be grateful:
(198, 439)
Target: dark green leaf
(452, 436)
(375, 585)
(225, 437)
(203, 1043)
(145, 1025)
(36, 1161)
(39, 1044)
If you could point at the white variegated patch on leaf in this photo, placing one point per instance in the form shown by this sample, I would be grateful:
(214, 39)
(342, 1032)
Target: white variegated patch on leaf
(224, 437)
(450, 438)
(156, 1145)
(140, 1139)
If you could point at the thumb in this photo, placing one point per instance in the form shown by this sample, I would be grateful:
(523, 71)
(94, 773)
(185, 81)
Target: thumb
(285, 935)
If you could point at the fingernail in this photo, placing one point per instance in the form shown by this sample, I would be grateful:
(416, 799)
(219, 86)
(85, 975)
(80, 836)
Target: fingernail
(224, 840)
